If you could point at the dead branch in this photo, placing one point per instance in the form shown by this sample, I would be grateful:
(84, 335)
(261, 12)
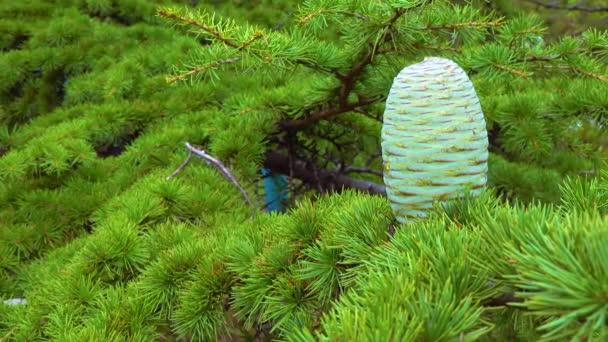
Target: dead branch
(218, 165)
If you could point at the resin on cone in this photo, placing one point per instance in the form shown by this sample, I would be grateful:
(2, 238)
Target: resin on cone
(434, 138)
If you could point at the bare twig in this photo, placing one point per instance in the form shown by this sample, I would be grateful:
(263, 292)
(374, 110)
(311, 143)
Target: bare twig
(181, 167)
(576, 7)
(517, 72)
(223, 170)
(218, 165)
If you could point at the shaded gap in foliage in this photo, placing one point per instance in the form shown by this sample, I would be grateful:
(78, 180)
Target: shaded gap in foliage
(114, 149)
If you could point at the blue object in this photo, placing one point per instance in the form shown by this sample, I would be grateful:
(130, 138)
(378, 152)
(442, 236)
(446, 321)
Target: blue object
(275, 190)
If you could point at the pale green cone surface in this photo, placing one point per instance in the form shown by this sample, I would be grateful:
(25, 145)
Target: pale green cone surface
(434, 138)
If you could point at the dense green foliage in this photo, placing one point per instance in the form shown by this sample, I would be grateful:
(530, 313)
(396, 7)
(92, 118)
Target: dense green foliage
(104, 248)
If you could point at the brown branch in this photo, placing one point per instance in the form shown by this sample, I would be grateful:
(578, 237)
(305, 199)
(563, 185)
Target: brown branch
(554, 5)
(202, 68)
(348, 81)
(591, 74)
(507, 68)
(538, 58)
(326, 179)
(467, 24)
(350, 78)
(311, 15)
(326, 114)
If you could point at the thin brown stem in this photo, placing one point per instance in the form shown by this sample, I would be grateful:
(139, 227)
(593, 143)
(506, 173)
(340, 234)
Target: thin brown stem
(350, 78)
(467, 24)
(325, 114)
(202, 68)
(575, 7)
(507, 68)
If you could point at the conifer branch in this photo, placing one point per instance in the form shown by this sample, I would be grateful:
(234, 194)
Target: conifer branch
(514, 71)
(201, 68)
(216, 33)
(304, 20)
(549, 58)
(575, 7)
(591, 74)
(467, 24)
(189, 21)
(8, 334)
(539, 58)
(580, 71)
(348, 81)
(256, 35)
(311, 15)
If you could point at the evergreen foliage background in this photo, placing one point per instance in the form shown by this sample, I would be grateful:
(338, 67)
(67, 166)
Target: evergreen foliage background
(98, 97)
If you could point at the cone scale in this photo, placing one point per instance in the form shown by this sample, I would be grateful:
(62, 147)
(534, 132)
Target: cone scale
(434, 138)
